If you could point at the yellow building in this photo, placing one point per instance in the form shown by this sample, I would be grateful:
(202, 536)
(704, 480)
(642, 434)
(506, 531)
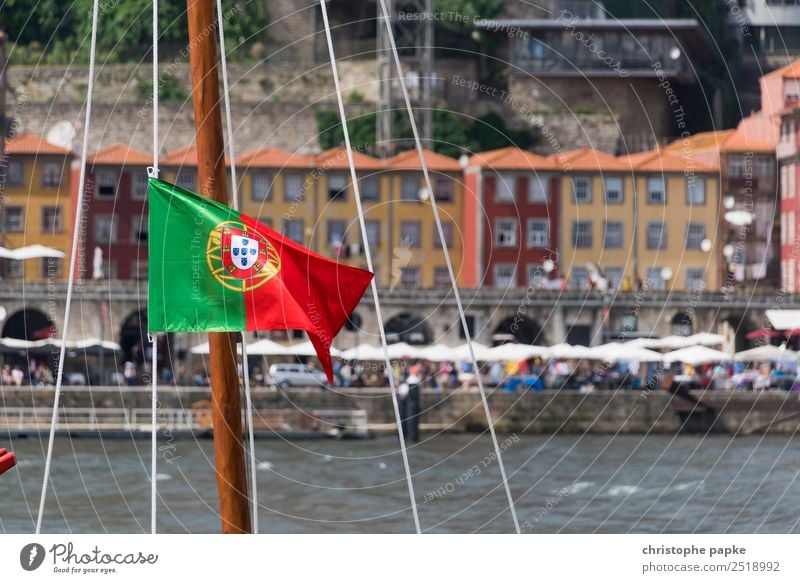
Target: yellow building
(416, 258)
(679, 214)
(649, 219)
(596, 209)
(37, 206)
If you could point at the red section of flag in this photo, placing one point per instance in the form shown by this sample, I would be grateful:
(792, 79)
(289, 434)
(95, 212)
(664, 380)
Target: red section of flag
(309, 292)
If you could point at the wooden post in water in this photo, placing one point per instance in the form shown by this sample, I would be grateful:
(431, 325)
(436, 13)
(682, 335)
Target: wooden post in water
(226, 406)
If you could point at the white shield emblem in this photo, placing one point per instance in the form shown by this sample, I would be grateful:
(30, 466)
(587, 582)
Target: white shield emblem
(244, 251)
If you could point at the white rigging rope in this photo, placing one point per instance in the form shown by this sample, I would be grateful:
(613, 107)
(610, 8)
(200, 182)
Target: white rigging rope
(154, 338)
(73, 255)
(368, 255)
(451, 273)
(235, 193)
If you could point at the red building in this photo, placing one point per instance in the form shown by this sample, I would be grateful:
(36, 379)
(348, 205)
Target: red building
(114, 214)
(510, 219)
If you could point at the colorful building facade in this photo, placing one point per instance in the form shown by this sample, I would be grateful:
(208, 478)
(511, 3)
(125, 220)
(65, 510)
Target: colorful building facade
(37, 206)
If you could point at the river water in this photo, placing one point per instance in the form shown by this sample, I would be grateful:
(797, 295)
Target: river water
(590, 483)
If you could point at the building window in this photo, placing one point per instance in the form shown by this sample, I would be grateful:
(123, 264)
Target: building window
(52, 267)
(505, 233)
(656, 193)
(505, 188)
(370, 188)
(410, 233)
(187, 179)
(737, 166)
(14, 269)
(337, 187)
(336, 232)
(139, 270)
(579, 278)
(784, 183)
(139, 190)
(16, 173)
(695, 234)
(261, 186)
(266, 221)
(105, 229)
(695, 279)
(613, 190)
(293, 186)
(765, 166)
(106, 184)
(444, 189)
(441, 277)
(537, 189)
(654, 280)
(139, 228)
(613, 236)
(51, 174)
(538, 233)
(614, 276)
(656, 236)
(110, 270)
(294, 229)
(373, 234)
(581, 234)
(15, 219)
(581, 190)
(409, 188)
(447, 227)
(695, 190)
(505, 275)
(51, 219)
(409, 276)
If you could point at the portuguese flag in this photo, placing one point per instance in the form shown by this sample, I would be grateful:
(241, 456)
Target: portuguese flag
(213, 269)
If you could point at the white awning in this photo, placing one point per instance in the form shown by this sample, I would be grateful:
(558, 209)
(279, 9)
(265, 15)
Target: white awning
(695, 355)
(784, 319)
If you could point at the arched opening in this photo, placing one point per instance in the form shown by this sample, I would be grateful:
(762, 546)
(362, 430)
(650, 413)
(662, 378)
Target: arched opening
(29, 324)
(519, 329)
(133, 337)
(740, 326)
(682, 325)
(408, 328)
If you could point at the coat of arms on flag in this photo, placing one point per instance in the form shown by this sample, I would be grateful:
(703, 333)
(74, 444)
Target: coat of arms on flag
(235, 252)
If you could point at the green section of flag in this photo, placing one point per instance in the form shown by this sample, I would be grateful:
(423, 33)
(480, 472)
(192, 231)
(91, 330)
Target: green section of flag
(184, 295)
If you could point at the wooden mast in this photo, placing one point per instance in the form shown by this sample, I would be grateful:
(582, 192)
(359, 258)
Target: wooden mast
(211, 175)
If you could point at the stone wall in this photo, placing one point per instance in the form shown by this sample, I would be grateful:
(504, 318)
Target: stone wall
(545, 412)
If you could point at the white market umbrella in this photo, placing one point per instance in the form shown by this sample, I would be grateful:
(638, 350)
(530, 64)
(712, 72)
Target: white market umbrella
(766, 352)
(707, 339)
(34, 251)
(482, 352)
(565, 351)
(305, 349)
(266, 347)
(695, 355)
(616, 351)
(401, 350)
(204, 349)
(439, 353)
(517, 352)
(364, 352)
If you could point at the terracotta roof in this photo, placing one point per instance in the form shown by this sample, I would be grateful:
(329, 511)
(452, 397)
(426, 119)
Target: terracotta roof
(274, 158)
(790, 71)
(712, 139)
(589, 159)
(121, 155)
(755, 133)
(674, 161)
(184, 157)
(33, 144)
(336, 159)
(511, 158)
(409, 160)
